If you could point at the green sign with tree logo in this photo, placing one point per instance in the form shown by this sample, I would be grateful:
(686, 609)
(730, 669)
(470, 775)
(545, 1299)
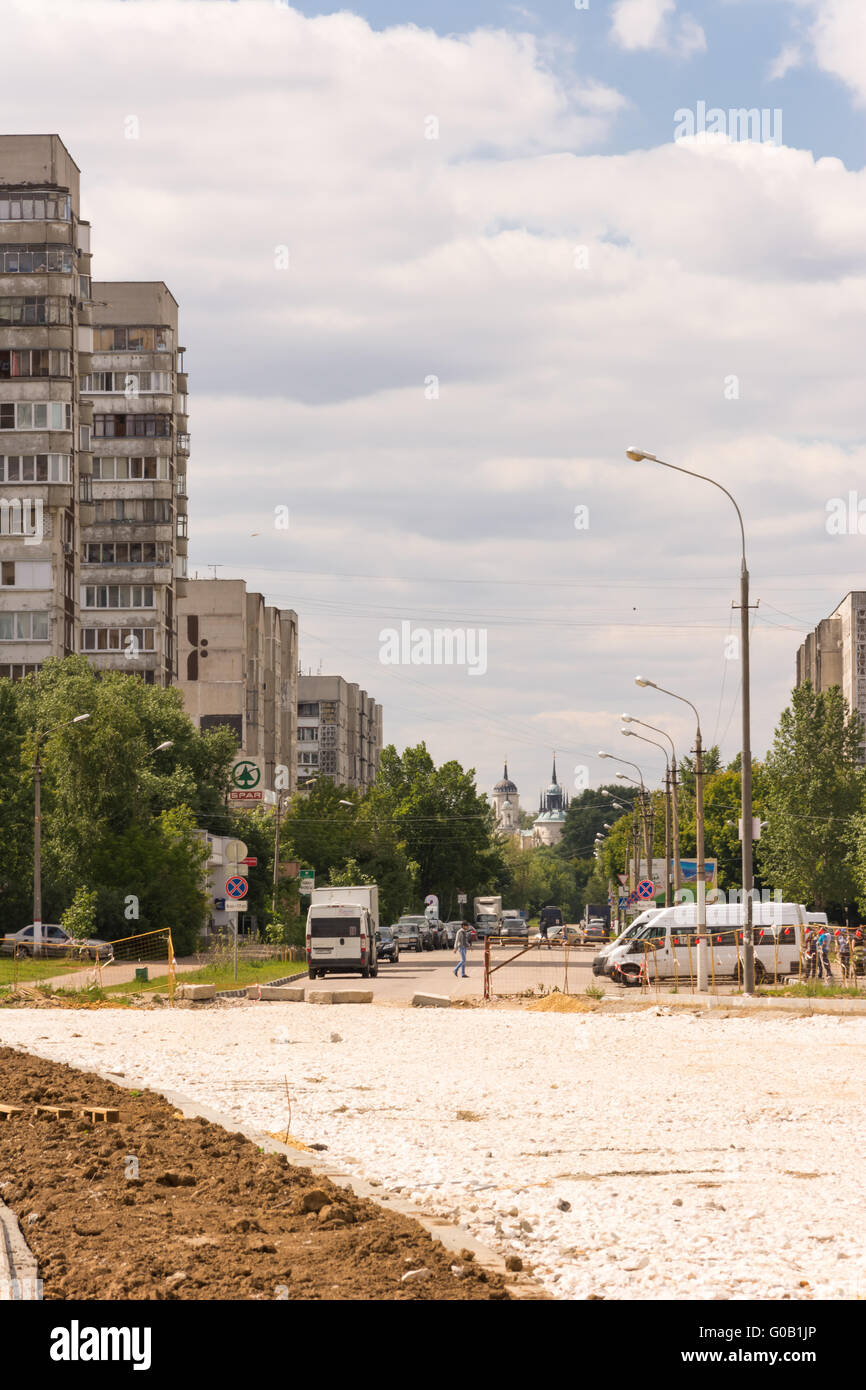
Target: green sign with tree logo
(246, 774)
(307, 880)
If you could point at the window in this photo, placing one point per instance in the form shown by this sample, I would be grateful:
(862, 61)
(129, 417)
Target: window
(308, 710)
(308, 735)
(183, 443)
(134, 509)
(84, 438)
(85, 488)
(7, 573)
(36, 260)
(122, 469)
(308, 759)
(31, 205)
(34, 309)
(118, 639)
(181, 485)
(23, 627)
(132, 339)
(131, 426)
(127, 553)
(182, 526)
(35, 468)
(35, 415)
(127, 383)
(84, 287)
(30, 362)
(118, 596)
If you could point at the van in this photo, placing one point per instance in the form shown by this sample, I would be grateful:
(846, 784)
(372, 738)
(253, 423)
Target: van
(341, 931)
(601, 962)
(666, 946)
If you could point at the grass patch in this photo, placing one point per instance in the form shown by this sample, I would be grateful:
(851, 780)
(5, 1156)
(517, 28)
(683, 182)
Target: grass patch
(812, 989)
(594, 992)
(28, 969)
(221, 974)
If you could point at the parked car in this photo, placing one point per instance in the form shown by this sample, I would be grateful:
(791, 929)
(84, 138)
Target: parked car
(437, 933)
(408, 934)
(387, 946)
(515, 928)
(596, 929)
(55, 942)
(452, 928)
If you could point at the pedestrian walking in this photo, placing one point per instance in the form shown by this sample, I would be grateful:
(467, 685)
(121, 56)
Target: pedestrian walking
(461, 942)
(823, 951)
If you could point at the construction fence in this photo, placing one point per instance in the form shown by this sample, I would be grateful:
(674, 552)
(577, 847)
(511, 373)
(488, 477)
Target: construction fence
(95, 966)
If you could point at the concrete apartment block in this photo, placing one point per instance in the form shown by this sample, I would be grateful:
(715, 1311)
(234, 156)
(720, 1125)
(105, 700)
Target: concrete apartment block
(339, 732)
(835, 653)
(45, 344)
(134, 550)
(238, 665)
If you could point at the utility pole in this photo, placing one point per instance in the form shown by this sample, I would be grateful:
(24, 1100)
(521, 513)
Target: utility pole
(702, 875)
(675, 825)
(746, 784)
(668, 894)
(37, 852)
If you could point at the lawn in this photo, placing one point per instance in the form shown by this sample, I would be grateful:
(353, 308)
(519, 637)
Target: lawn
(38, 969)
(814, 989)
(220, 974)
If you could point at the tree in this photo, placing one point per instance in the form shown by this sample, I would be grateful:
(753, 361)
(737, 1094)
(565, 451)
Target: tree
(586, 816)
(814, 789)
(79, 919)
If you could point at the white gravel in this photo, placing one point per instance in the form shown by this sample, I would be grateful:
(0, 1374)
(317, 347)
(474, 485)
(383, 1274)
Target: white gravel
(696, 1157)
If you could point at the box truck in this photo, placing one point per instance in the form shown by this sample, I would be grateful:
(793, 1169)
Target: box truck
(488, 916)
(341, 931)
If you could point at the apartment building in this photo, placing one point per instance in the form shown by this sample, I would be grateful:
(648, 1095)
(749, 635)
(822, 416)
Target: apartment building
(835, 653)
(135, 548)
(339, 732)
(46, 339)
(238, 666)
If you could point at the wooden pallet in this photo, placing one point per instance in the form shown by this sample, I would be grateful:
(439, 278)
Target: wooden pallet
(101, 1114)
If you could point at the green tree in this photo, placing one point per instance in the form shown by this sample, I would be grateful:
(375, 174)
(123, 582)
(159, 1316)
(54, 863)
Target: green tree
(586, 816)
(813, 792)
(79, 919)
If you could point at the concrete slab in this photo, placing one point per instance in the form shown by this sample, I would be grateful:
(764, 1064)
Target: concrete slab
(320, 996)
(353, 996)
(19, 1273)
(185, 991)
(431, 1001)
(294, 993)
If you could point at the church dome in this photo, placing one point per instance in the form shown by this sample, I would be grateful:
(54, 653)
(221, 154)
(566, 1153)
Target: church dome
(505, 787)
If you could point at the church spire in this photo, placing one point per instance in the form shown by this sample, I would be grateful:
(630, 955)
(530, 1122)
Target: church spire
(505, 771)
(555, 783)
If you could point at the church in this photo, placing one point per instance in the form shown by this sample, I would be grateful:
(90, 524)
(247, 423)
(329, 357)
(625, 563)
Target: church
(548, 824)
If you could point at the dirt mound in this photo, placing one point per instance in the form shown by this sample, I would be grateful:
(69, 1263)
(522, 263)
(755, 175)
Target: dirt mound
(561, 1004)
(161, 1207)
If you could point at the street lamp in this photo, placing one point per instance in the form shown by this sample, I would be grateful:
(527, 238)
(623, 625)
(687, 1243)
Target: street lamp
(37, 829)
(639, 455)
(675, 813)
(630, 733)
(161, 747)
(643, 792)
(699, 827)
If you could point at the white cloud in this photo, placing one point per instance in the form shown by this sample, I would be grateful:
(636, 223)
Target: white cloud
(654, 24)
(456, 257)
(790, 56)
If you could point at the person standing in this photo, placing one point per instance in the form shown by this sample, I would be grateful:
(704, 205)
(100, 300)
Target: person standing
(461, 942)
(809, 953)
(823, 951)
(844, 955)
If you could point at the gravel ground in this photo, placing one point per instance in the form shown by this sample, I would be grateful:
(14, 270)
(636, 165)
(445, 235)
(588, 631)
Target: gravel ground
(641, 1155)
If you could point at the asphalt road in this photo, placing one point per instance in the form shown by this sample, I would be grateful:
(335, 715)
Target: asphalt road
(432, 972)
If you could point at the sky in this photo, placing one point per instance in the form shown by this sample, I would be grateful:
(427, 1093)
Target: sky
(438, 265)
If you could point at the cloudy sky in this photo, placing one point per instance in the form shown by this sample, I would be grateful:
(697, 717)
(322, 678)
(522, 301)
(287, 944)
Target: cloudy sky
(438, 264)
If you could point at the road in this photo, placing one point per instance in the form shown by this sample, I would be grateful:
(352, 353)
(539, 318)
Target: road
(432, 972)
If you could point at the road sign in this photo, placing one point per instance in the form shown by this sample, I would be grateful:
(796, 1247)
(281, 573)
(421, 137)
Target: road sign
(461, 897)
(646, 888)
(250, 860)
(234, 851)
(236, 887)
(307, 880)
(246, 774)
(235, 906)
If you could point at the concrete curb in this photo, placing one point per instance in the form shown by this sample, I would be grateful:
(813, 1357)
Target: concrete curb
(19, 1273)
(242, 992)
(759, 1004)
(453, 1238)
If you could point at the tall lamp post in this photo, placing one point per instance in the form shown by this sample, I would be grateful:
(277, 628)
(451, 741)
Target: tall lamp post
(639, 455)
(630, 733)
(675, 815)
(37, 829)
(699, 828)
(646, 842)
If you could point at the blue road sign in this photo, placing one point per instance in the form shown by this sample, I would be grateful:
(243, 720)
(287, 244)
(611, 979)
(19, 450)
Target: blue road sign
(236, 887)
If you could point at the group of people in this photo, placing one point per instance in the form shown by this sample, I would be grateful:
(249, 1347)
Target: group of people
(817, 944)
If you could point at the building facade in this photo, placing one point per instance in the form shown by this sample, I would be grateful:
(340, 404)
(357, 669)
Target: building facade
(135, 548)
(552, 806)
(46, 339)
(835, 653)
(339, 732)
(238, 666)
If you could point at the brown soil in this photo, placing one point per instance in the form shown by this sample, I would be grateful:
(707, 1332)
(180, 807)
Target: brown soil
(208, 1216)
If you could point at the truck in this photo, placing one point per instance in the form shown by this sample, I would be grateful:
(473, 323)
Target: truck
(341, 931)
(488, 915)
